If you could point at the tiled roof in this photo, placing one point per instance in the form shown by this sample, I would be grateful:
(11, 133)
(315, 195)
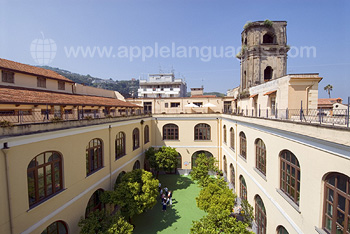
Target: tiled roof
(328, 101)
(14, 95)
(37, 71)
(271, 92)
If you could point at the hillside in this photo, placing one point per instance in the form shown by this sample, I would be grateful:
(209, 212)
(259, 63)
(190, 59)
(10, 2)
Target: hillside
(124, 87)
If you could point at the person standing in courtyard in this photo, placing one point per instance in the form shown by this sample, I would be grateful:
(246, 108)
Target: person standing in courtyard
(164, 204)
(170, 194)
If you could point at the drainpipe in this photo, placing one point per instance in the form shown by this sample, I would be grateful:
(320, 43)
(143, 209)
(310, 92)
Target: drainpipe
(5, 151)
(219, 141)
(307, 96)
(236, 151)
(110, 156)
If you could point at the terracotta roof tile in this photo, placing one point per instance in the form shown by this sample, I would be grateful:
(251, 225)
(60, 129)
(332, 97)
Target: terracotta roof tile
(328, 101)
(14, 95)
(37, 71)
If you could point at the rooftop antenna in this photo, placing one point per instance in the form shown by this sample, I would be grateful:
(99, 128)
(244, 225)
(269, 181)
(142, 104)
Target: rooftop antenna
(172, 69)
(160, 69)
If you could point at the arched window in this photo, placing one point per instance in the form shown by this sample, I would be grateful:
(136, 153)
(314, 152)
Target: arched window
(94, 154)
(225, 133)
(260, 215)
(268, 38)
(119, 179)
(94, 202)
(179, 161)
(243, 145)
(232, 138)
(290, 175)
(281, 230)
(44, 175)
(146, 134)
(135, 138)
(58, 227)
(232, 178)
(260, 153)
(336, 217)
(170, 132)
(268, 73)
(244, 80)
(120, 145)
(195, 155)
(225, 165)
(136, 165)
(202, 132)
(242, 188)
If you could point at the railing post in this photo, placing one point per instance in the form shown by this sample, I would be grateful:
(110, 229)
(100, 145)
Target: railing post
(267, 113)
(301, 111)
(276, 111)
(347, 122)
(287, 114)
(259, 110)
(320, 113)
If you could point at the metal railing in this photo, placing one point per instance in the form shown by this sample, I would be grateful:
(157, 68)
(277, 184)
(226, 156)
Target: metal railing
(9, 118)
(339, 117)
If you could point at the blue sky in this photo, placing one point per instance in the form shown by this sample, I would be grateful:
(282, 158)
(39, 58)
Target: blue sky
(187, 23)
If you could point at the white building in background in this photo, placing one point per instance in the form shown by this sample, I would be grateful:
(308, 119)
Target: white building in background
(161, 86)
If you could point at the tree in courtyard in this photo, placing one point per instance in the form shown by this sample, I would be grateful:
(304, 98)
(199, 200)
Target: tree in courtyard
(136, 192)
(219, 223)
(247, 212)
(166, 158)
(216, 197)
(99, 222)
(200, 172)
(328, 89)
(151, 158)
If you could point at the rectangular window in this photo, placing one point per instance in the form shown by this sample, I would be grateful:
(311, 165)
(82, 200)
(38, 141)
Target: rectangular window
(198, 103)
(175, 104)
(166, 105)
(8, 77)
(41, 82)
(61, 85)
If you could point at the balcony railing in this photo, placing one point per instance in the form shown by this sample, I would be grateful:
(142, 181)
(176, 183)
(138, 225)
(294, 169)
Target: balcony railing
(25, 117)
(316, 116)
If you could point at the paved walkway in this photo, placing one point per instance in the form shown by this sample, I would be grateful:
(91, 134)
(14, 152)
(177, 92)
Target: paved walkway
(176, 219)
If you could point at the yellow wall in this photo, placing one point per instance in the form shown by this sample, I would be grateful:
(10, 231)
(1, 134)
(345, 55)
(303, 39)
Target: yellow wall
(319, 151)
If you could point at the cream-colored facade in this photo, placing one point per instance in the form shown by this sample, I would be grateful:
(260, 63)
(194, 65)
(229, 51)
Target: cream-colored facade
(319, 150)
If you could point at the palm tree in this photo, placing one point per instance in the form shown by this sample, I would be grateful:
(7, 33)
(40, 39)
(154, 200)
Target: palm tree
(328, 88)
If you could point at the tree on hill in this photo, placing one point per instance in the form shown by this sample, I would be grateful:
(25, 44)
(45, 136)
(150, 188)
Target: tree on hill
(328, 89)
(216, 197)
(136, 192)
(99, 222)
(219, 223)
(201, 171)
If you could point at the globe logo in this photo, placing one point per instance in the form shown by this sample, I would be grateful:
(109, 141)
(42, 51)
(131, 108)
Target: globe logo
(43, 50)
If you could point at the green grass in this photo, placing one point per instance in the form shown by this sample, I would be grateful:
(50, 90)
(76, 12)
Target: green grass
(176, 219)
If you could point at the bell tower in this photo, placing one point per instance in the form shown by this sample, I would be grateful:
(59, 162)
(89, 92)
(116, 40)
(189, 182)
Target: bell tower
(264, 52)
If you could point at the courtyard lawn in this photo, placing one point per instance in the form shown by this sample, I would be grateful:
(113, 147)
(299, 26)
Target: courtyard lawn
(176, 219)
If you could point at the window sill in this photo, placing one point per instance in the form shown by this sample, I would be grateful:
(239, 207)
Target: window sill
(290, 201)
(260, 173)
(135, 148)
(244, 159)
(46, 199)
(117, 158)
(171, 140)
(232, 149)
(202, 140)
(93, 172)
(321, 231)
